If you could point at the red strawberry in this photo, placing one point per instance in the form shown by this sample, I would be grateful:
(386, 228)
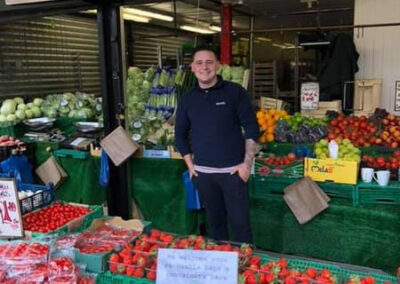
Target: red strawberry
(255, 260)
(141, 262)
(115, 258)
(151, 275)
(290, 280)
(130, 270)
(311, 272)
(139, 273)
(282, 263)
(121, 268)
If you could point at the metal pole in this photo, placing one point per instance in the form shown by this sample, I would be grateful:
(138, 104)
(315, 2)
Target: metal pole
(251, 52)
(112, 67)
(296, 74)
(159, 55)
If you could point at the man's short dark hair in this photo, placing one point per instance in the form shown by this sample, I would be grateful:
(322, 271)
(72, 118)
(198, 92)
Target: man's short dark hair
(204, 48)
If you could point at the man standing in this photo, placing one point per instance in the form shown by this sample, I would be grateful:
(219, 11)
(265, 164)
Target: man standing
(213, 114)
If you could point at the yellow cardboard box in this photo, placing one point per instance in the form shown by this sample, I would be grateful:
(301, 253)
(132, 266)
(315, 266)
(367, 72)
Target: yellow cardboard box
(331, 170)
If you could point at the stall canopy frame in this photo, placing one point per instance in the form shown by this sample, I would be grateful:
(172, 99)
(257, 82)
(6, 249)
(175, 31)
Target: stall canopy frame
(111, 38)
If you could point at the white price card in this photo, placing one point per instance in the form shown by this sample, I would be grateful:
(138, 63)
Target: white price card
(397, 97)
(309, 96)
(180, 266)
(10, 212)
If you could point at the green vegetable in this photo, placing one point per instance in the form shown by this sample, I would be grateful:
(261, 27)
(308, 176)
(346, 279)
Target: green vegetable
(38, 102)
(8, 107)
(20, 114)
(11, 117)
(22, 106)
(28, 113)
(18, 100)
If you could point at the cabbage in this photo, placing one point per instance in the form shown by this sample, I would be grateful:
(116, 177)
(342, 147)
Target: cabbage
(226, 72)
(29, 105)
(28, 113)
(36, 111)
(20, 114)
(22, 106)
(18, 100)
(237, 73)
(134, 71)
(72, 113)
(38, 101)
(11, 117)
(8, 107)
(3, 118)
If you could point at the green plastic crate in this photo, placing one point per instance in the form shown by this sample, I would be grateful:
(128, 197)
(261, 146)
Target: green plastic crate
(97, 212)
(111, 278)
(338, 190)
(267, 186)
(379, 278)
(96, 262)
(302, 265)
(372, 193)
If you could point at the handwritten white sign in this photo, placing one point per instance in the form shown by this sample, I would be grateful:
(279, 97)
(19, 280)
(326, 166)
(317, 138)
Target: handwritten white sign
(397, 96)
(10, 213)
(309, 95)
(196, 267)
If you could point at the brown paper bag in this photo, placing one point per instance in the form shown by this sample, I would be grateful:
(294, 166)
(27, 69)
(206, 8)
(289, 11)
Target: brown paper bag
(305, 199)
(51, 171)
(119, 146)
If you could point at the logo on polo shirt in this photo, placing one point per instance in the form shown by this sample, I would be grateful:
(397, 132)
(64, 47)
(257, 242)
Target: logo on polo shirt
(220, 103)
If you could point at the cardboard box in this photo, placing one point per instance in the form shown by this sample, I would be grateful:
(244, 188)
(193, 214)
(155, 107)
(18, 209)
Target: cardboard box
(132, 224)
(305, 199)
(174, 154)
(323, 107)
(51, 172)
(331, 170)
(119, 145)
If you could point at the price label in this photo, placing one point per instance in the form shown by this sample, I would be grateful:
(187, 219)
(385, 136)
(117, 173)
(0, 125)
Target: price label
(397, 96)
(309, 96)
(179, 266)
(10, 212)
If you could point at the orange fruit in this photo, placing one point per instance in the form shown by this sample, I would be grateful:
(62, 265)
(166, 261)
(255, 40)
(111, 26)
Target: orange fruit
(272, 111)
(270, 129)
(260, 115)
(270, 137)
(262, 139)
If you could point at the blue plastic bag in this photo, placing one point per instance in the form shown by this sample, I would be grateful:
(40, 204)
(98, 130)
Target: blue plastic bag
(192, 195)
(104, 177)
(19, 167)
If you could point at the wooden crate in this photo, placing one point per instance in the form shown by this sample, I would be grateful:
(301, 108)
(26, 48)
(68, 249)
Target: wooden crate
(366, 96)
(268, 103)
(323, 107)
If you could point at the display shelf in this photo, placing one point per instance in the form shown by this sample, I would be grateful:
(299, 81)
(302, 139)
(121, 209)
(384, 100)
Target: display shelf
(373, 193)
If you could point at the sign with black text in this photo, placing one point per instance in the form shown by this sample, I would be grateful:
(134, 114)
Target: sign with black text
(10, 212)
(397, 96)
(309, 96)
(180, 266)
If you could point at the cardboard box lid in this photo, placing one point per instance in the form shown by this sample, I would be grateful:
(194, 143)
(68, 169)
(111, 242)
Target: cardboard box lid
(305, 199)
(132, 224)
(51, 172)
(119, 146)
